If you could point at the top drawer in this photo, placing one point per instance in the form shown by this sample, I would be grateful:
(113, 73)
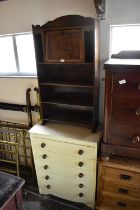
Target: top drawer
(126, 85)
(48, 145)
(121, 176)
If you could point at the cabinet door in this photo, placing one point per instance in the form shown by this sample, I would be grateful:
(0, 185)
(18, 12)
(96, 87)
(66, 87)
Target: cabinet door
(65, 45)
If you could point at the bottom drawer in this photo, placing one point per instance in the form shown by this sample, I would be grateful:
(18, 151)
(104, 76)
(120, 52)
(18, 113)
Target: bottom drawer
(115, 202)
(88, 198)
(65, 185)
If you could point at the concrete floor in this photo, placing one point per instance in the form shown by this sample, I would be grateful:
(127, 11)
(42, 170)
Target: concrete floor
(34, 201)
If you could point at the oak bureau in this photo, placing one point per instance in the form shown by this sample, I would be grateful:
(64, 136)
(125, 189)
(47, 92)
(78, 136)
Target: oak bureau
(65, 161)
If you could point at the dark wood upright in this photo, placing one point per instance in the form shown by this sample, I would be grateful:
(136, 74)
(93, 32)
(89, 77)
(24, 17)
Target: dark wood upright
(67, 66)
(122, 108)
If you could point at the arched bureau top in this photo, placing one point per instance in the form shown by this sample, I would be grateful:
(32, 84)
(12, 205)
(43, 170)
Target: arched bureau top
(69, 21)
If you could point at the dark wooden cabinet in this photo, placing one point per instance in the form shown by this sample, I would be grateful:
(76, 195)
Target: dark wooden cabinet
(67, 64)
(122, 108)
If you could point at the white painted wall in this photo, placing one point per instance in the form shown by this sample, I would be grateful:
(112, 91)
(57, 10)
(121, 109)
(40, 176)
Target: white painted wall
(117, 12)
(18, 16)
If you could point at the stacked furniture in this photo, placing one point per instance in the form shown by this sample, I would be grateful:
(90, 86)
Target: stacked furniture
(64, 147)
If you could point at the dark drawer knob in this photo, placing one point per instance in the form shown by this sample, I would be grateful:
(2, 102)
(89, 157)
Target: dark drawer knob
(43, 145)
(137, 112)
(81, 175)
(123, 191)
(47, 177)
(44, 156)
(81, 185)
(139, 86)
(121, 204)
(81, 194)
(80, 164)
(80, 152)
(48, 186)
(136, 140)
(125, 177)
(45, 166)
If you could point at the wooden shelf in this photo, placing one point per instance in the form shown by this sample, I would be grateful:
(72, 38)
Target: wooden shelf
(69, 105)
(87, 124)
(63, 84)
(75, 114)
(67, 94)
(71, 74)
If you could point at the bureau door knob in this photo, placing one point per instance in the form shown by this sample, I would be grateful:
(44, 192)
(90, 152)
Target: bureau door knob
(47, 177)
(81, 185)
(139, 86)
(44, 156)
(136, 140)
(81, 194)
(81, 175)
(48, 186)
(43, 145)
(45, 166)
(80, 152)
(80, 164)
(137, 112)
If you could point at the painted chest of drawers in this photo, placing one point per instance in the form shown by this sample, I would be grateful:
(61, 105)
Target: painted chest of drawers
(122, 108)
(65, 161)
(119, 184)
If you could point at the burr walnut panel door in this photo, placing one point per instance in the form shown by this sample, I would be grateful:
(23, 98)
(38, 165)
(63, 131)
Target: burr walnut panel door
(65, 45)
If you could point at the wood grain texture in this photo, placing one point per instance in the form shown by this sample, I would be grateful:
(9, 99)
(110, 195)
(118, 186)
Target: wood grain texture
(122, 108)
(118, 184)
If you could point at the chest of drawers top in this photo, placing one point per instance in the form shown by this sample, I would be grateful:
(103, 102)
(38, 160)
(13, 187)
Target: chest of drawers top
(125, 63)
(66, 133)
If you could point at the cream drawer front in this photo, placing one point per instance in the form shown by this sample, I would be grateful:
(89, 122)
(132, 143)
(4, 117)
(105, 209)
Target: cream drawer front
(67, 186)
(70, 173)
(47, 145)
(54, 161)
(88, 198)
